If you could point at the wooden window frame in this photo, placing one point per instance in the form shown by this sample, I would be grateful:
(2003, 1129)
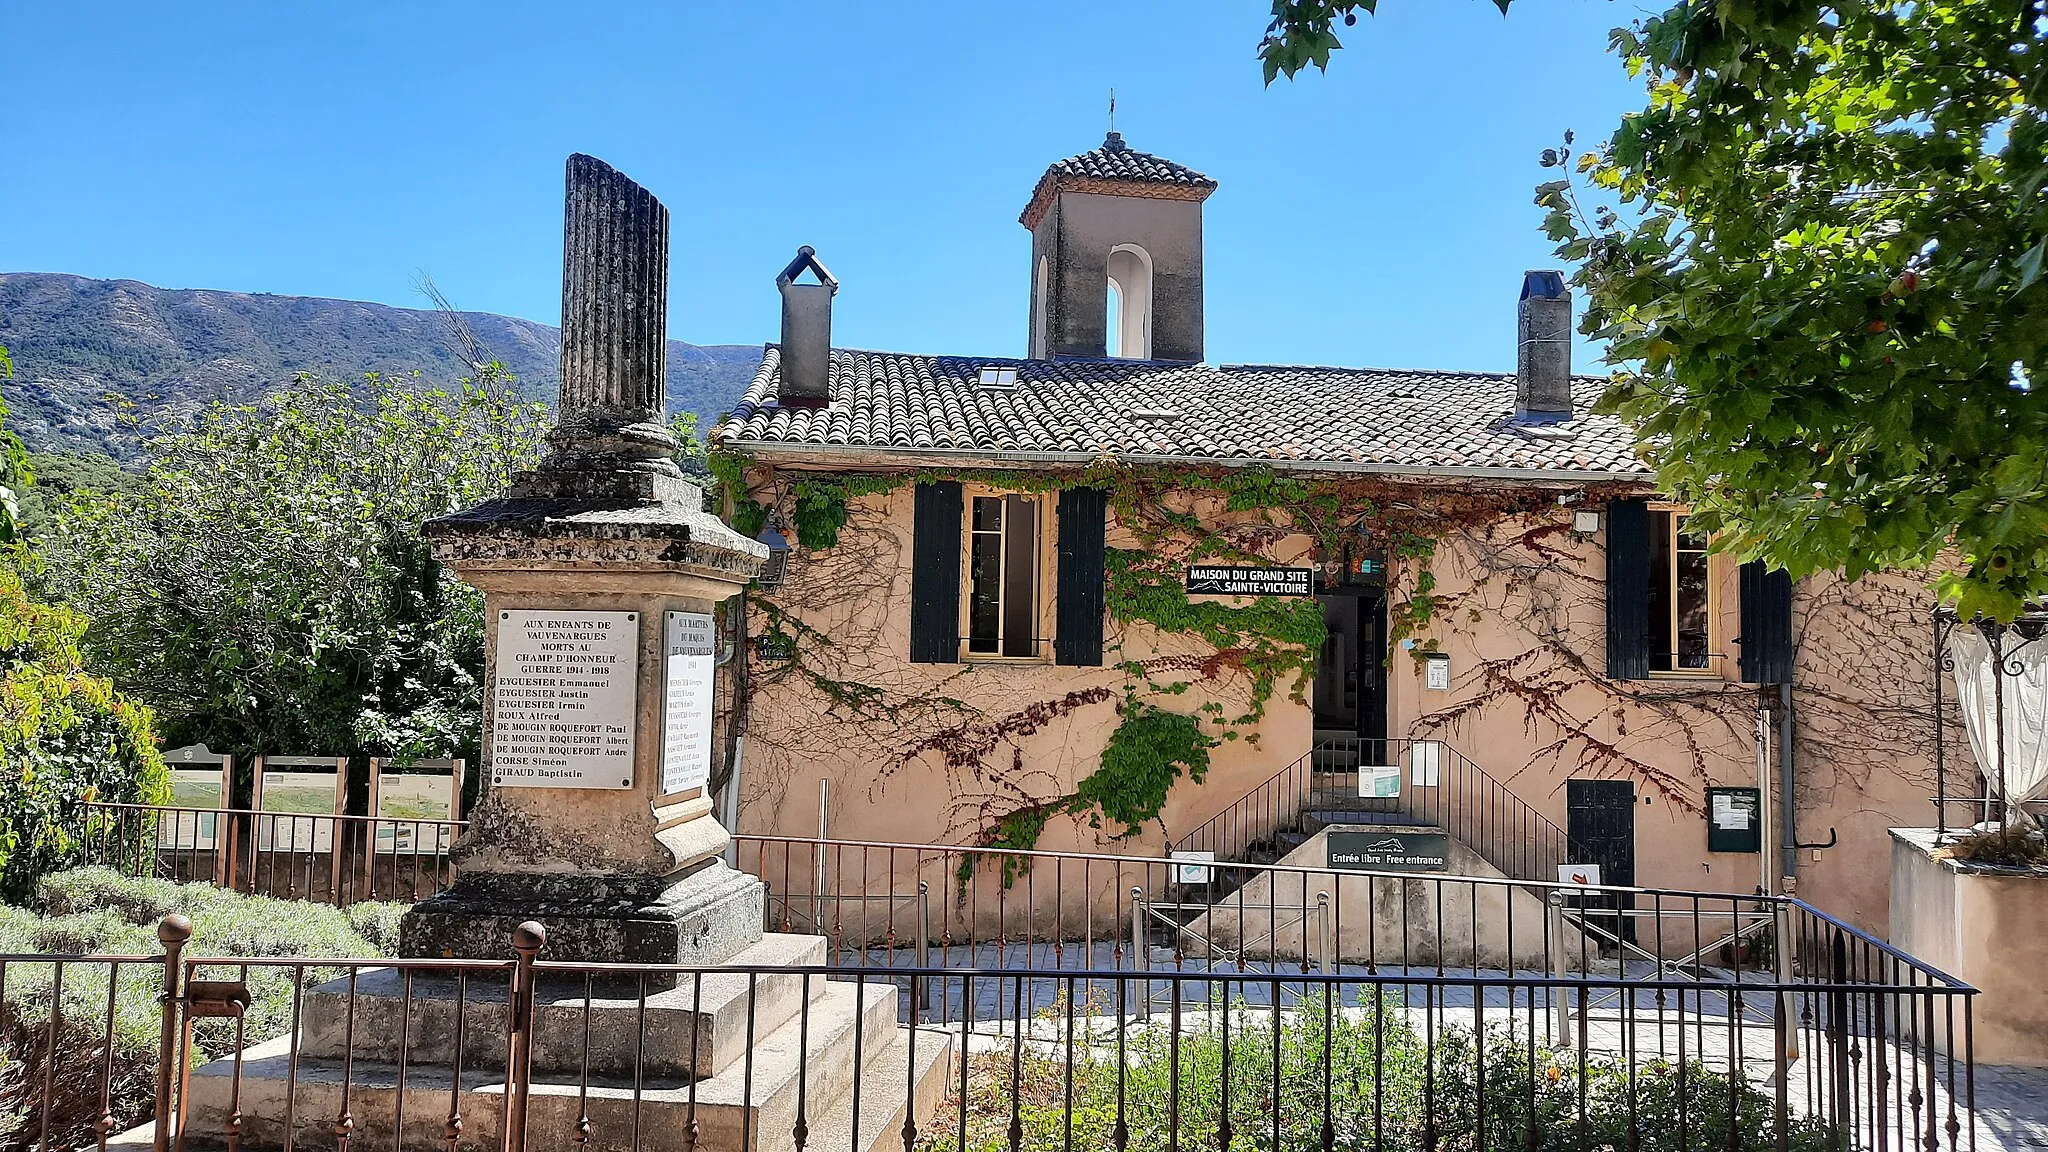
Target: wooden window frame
(1668, 516)
(1047, 542)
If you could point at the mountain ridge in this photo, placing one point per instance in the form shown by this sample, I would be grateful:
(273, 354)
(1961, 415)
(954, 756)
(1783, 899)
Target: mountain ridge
(82, 347)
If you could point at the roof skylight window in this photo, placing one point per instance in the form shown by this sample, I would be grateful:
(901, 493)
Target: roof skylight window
(998, 377)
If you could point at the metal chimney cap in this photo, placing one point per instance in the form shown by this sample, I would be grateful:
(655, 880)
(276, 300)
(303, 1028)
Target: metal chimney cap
(1543, 285)
(806, 257)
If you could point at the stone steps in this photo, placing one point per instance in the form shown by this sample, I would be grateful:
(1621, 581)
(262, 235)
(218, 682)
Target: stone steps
(714, 1016)
(885, 1090)
(750, 1105)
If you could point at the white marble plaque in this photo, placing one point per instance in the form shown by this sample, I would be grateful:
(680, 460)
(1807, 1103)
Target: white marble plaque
(563, 698)
(686, 702)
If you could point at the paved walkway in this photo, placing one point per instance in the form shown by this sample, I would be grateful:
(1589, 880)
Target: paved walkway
(2012, 1108)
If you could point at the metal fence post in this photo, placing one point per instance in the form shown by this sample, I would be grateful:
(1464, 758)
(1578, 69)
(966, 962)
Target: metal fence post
(526, 943)
(1560, 1006)
(1326, 952)
(818, 853)
(1781, 942)
(924, 934)
(172, 932)
(1141, 956)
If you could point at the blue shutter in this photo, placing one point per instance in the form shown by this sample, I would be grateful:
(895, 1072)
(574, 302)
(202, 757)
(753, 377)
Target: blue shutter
(1077, 631)
(1628, 590)
(1766, 638)
(935, 574)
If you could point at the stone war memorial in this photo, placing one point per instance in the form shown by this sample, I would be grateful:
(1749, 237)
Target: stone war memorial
(593, 843)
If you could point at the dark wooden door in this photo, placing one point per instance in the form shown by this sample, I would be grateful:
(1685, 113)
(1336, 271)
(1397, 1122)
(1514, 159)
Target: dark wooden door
(1601, 822)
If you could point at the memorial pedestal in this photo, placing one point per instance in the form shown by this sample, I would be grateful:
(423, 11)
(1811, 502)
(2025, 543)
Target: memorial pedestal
(594, 820)
(600, 572)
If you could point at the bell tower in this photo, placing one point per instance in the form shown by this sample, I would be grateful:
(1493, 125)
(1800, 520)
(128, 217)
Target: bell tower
(1116, 256)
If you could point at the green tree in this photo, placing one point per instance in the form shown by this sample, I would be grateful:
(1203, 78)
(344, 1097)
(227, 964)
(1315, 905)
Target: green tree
(1816, 254)
(265, 585)
(66, 737)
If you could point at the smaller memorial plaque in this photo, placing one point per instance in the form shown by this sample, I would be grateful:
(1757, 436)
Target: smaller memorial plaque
(1232, 580)
(688, 645)
(563, 698)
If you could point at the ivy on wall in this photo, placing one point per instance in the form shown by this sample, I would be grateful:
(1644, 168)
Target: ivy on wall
(1272, 642)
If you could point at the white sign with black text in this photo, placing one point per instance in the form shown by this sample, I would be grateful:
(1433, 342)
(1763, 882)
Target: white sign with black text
(687, 647)
(563, 697)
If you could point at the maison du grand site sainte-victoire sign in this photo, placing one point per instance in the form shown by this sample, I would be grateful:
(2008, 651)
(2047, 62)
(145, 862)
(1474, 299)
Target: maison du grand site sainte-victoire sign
(563, 699)
(1234, 580)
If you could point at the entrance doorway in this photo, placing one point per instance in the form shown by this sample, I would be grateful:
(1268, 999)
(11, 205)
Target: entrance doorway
(1350, 694)
(1601, 823)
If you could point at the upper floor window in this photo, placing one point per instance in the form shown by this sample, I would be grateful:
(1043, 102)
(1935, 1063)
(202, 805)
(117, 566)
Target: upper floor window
(1681, 596)
(1674, 609)
(1002, 575)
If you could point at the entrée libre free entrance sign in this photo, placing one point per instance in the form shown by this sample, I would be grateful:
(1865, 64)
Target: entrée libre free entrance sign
(1370, 850)
(1234, 580)
(562, 695)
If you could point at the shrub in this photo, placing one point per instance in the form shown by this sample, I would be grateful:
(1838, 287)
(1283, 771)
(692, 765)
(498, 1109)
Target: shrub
(2008, 846)
(66, 737)
(1385, 1087)
(114, 1049)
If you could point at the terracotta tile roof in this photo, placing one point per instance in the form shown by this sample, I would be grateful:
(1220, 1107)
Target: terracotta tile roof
(1455, 423)
(1118, 169)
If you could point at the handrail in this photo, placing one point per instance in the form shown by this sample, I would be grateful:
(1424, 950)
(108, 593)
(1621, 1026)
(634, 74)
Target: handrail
(1439, 785)
(1136, 861)
(338, 817)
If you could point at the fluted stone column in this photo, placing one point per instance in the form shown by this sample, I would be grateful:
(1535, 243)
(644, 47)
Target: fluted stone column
(605, 532)
(614, 326)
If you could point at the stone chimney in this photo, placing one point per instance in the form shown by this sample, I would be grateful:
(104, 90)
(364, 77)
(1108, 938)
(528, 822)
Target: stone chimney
(806, 332)
(1543, 364)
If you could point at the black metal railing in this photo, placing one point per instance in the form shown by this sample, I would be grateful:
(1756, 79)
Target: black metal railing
(906, 906)
(320, 857)
(263, 1052)
(1360, 781)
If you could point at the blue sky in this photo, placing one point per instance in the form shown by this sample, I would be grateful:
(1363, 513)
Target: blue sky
(1378, 215)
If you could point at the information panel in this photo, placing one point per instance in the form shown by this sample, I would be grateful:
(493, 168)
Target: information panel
(688, 644)
(305, 791)
(411, 801)
(200, 779)
(562, 695)
(1735, 820)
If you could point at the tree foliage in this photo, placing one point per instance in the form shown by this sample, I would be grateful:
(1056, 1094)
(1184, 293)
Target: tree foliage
(265, 585)
(66, 736)
(1816, 254)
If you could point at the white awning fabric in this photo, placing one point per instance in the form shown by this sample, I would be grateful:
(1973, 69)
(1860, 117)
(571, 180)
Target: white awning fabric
(2021, 674)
